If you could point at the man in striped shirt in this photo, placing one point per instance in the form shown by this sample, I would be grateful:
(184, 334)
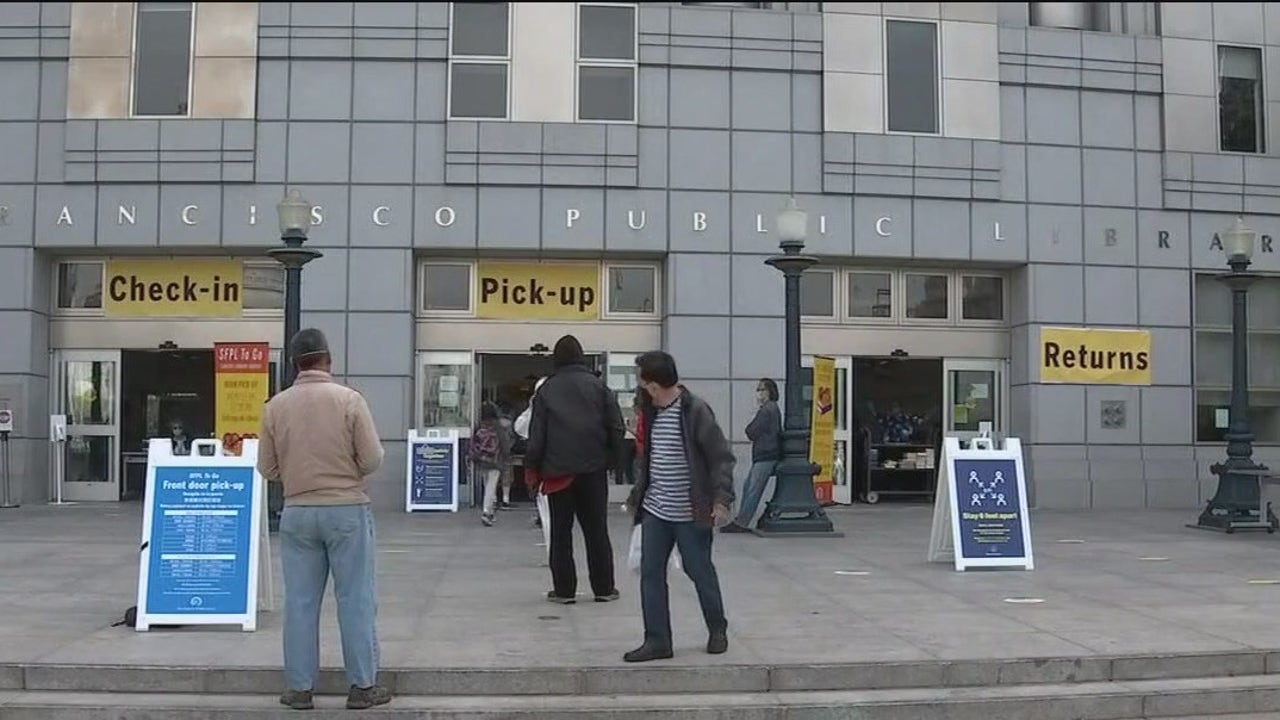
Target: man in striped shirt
(683, 493)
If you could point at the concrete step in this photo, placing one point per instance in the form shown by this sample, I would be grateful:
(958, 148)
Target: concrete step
(656, 677)
(1079, 701)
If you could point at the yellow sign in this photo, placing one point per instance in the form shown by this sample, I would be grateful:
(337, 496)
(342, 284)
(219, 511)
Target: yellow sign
(538, 291)
(155, 287)
(241, 378)
(1095, 357)
(822, 427)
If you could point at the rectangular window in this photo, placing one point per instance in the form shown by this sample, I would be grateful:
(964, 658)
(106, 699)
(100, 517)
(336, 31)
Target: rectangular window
(1213, 348)
(982, 297)
(80, 285)
(870, 295)
(817, 294)
(926, 297)
(607, 63)
(162, 58)
(632, 289)
(263, 287)
(479, 60)
(1240, 99)
(446, 287)
(911, 76)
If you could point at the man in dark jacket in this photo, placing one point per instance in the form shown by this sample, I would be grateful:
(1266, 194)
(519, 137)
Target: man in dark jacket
(576, 432)
(685, 491)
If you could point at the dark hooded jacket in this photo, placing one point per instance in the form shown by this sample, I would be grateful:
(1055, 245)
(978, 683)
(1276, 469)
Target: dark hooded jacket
(576, 426)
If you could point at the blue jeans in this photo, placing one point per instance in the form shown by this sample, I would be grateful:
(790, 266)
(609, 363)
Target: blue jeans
(657, 539)
(315, 540)
(757, 480)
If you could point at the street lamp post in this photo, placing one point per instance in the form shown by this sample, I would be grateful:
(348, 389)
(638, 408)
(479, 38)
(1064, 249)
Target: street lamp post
(794, 508)
(295, 220)
(1236, 503)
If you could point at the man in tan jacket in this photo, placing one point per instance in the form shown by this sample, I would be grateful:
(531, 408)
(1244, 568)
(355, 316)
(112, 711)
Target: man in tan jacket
(319, 440)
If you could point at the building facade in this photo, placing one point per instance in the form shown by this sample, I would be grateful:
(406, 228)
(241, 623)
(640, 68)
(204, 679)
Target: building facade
(488, 176)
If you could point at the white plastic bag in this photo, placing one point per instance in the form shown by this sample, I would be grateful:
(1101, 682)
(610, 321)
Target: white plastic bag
(544, 514)
(637, 544)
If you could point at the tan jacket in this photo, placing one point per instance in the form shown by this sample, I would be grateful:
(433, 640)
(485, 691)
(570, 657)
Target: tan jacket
(318, 438)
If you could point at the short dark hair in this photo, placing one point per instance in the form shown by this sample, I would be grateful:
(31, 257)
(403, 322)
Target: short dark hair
(771, 387)
(658, 367)
(489, 410)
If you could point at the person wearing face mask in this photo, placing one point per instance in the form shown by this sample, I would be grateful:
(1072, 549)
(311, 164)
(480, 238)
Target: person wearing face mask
(765, 434)
(683, 493)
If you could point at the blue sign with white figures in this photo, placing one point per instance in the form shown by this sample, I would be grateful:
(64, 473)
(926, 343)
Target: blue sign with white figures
(433, 473)
(201, 530)
(989, 507)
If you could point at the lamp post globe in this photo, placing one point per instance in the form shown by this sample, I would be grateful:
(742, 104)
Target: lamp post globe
(794, 508)
(1237, 502)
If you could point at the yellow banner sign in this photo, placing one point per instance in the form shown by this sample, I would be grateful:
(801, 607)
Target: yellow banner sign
(1095, 357)
(822, 427)
(155, 287)
(538, 291)
(241, 377)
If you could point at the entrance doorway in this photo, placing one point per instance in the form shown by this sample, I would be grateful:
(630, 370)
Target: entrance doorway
(117, 400)
(898, 419)
(507, 380)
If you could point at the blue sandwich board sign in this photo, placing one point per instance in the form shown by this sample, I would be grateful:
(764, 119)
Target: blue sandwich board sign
(431, 471)
(201, 537)
(980, 514)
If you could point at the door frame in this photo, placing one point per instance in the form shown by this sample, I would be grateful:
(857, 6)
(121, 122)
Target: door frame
(1000, 368)
(88, 492)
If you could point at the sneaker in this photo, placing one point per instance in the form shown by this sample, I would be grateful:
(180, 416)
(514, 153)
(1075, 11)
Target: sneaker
(487, 519)
(734, 527)
(647, 652)
(560, 599)
(609, 596)
(297, 700)
(505, 505)
(718, 643)
(365, 698)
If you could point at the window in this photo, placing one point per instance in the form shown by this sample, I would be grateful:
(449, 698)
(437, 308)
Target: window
(982, 297)
(480, 60)
(817, 294)
(1240, 99)
(926, 297)
(1213, 359)
(446, 390)
(162, 59)
(446, 287)
(80, 285)
(632, 289)
(870, 295)
(263, 287)
(607, 62)
(911, 76)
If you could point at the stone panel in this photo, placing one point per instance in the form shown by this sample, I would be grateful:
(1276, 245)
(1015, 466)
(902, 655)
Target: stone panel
(698, 284)
(699, 343)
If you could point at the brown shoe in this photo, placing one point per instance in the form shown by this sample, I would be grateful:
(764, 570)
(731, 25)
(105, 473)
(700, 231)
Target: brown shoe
(365, 698)
(297, 700)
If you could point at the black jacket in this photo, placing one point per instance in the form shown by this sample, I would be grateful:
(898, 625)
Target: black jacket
(576, 426)
(765, 433)
(707, 450)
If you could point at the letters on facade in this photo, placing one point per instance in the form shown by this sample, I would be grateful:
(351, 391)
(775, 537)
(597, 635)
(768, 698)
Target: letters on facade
(445, 216)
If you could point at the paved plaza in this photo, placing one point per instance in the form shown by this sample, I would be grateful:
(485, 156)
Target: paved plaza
(457, 595)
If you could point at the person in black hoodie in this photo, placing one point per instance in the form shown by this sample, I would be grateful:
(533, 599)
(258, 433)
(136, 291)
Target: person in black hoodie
(576, 433)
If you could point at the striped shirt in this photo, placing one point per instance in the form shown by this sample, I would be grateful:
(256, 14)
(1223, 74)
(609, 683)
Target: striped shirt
(668, 495)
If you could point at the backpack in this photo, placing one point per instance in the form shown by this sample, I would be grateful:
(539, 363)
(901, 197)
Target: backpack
(484, 445)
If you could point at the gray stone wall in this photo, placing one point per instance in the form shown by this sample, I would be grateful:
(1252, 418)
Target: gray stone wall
(1100, 225)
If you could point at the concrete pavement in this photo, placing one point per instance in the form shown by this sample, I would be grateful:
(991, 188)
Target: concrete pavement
(457, 595)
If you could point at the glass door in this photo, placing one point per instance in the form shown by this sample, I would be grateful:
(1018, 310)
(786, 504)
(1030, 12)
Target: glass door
(974, 393)
(87, 391)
